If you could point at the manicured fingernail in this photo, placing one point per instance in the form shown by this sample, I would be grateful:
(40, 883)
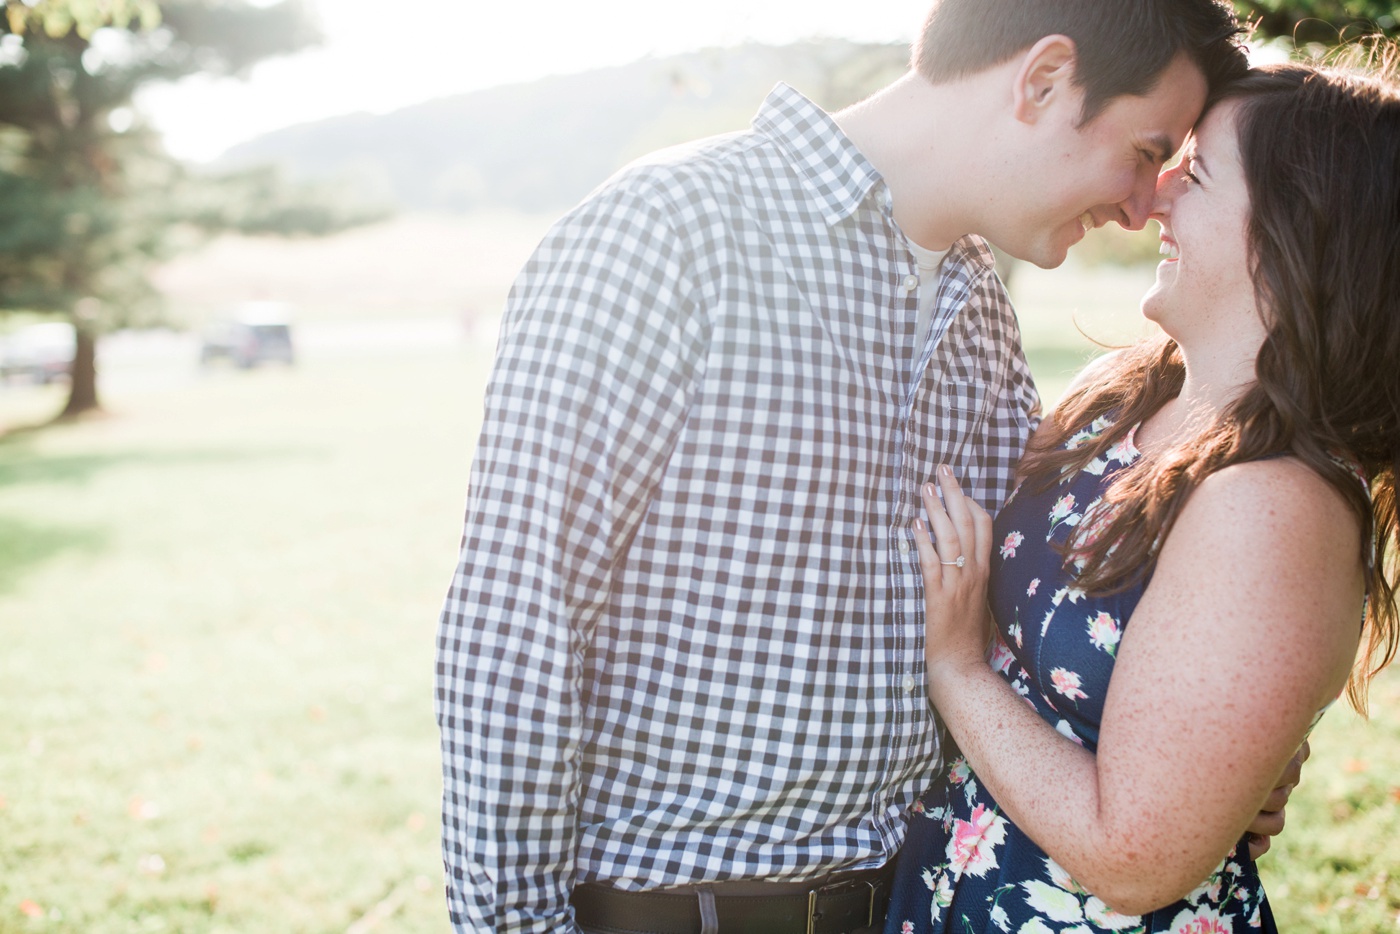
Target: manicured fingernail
(947, 471)
(919, 524)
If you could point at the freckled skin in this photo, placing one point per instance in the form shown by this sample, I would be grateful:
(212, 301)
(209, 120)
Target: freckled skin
(1260, 574)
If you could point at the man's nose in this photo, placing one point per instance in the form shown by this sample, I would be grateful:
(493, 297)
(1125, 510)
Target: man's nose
(1137, 207)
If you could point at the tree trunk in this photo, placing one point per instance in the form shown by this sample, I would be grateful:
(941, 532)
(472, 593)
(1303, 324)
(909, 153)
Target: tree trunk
(82, 394)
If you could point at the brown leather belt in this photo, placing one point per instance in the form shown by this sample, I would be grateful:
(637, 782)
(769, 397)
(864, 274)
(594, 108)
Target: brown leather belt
(838, 904)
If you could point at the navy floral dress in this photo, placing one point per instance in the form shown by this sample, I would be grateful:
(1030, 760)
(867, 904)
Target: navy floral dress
(965, 868)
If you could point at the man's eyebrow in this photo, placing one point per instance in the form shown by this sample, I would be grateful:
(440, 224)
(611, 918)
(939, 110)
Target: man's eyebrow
(1163, 144)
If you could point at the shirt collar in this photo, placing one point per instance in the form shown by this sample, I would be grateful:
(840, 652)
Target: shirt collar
(976, 251)
(838, 174)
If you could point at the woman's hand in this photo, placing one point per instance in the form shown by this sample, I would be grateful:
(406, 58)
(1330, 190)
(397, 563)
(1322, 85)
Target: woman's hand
(955, 574)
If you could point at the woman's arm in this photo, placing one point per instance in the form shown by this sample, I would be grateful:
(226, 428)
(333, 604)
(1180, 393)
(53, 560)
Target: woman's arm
(1270, 819)
(1260, 574)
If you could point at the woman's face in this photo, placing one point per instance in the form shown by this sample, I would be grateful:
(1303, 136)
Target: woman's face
(1204, 291)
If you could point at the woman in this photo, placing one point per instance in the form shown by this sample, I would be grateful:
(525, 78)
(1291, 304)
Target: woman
(1198, 520)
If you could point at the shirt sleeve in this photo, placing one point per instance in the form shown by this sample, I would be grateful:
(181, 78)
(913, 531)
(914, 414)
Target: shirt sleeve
(599, 350)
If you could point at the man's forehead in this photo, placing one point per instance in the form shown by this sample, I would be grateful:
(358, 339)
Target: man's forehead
(1163, 118)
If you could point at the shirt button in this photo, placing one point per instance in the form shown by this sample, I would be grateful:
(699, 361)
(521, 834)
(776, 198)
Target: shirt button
(909, 684)
(911, 283)
(904, 546)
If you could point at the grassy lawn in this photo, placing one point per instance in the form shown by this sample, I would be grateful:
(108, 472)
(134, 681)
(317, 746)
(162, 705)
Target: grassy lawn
(216, 631)
(217, 612)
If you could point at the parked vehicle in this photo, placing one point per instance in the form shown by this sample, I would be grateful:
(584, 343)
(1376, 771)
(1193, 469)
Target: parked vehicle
(251, 335)
(40, 353)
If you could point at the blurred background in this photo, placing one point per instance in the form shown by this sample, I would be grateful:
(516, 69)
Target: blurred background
(252, 261)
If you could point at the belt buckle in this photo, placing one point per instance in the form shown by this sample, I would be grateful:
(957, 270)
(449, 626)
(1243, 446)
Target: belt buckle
(837, 888)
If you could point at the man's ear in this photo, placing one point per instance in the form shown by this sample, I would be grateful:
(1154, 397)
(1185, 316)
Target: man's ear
(1044, 78)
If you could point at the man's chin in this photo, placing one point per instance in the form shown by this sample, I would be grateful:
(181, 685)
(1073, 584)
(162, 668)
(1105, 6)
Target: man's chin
(1048, 250)
(1050, 262)
(1046, 256)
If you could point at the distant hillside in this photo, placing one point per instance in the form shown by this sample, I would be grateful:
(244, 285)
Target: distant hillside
(544, 145)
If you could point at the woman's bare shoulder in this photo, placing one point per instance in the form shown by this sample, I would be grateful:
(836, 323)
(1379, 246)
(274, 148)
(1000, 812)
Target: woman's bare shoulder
(1277, 493)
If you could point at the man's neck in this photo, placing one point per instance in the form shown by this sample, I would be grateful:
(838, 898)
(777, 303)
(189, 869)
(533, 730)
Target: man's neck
(917, 135)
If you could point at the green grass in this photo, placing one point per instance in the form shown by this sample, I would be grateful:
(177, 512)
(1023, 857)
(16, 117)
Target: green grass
(216, 630)
(217, 612)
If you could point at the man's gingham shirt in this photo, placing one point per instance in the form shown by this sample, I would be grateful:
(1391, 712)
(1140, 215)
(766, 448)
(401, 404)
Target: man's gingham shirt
(684, 642)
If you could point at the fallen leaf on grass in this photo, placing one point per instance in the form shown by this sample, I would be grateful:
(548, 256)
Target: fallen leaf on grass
(30, 909)
(151, 864)
(1356, 765)
(416, 822)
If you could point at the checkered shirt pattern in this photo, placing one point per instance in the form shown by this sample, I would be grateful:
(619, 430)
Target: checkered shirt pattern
(684, 642)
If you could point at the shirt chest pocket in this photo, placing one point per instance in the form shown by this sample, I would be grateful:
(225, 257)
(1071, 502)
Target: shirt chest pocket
(950, 419)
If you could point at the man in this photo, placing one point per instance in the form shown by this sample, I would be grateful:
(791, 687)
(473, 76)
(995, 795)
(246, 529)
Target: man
(683, 647)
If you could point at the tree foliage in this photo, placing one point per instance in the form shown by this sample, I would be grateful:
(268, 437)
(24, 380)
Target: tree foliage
(1324, 22)
(89, 200)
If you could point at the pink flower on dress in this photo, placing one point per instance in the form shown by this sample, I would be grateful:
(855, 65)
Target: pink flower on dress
(1034, 585)
(1204, 920)
(1124, 451)
(1000, 657)
(959, 771)
(1013, 541)
(907, 928)
(1067, 683)
(1105, 632)
(1063, 507)
(972, 847)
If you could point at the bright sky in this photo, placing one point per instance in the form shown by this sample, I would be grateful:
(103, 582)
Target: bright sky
(380, 55)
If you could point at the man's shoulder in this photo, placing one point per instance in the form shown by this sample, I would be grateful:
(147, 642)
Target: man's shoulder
(709, 171)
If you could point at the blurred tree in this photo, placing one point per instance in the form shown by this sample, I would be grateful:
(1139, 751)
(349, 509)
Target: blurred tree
(1324, 22)
(89, 200)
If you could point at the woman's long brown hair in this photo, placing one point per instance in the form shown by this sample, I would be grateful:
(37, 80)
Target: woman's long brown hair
(1321, 153)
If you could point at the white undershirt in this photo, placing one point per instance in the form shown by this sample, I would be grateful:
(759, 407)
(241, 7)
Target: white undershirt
(930, 263)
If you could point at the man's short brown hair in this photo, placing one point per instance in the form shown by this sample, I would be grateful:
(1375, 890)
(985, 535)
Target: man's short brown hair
(1123, 46)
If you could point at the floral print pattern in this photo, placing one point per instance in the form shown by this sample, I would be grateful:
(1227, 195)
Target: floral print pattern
(965, 867)
(1012, 542)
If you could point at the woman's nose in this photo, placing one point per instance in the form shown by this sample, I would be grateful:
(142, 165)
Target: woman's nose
(1169, 185)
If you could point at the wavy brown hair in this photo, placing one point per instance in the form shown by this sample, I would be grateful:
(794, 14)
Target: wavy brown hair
(1320, 148)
